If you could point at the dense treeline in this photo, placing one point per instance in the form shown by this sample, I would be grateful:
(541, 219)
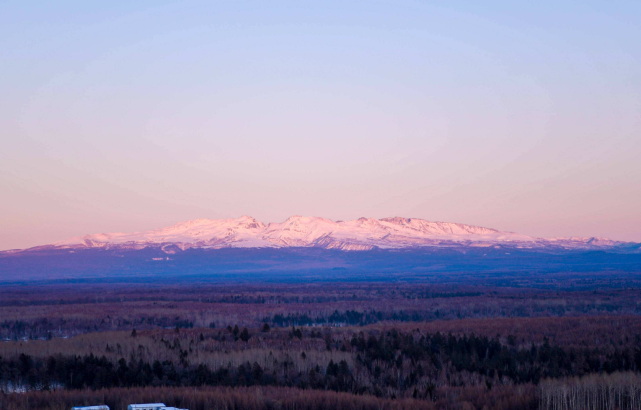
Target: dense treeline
(489, 357)
(363, 346)
(356, 318)
(270, 398)
(47, 328)
(349, 317)
(392, 364)
(618, 391)
(56, 312)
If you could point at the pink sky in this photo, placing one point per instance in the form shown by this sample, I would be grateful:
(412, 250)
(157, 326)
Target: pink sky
(136, 117)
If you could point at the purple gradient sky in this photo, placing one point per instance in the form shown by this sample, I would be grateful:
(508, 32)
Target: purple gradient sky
(120, 117)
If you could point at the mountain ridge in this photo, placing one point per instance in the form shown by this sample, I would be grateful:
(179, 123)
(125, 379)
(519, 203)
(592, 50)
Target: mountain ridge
(300, 231)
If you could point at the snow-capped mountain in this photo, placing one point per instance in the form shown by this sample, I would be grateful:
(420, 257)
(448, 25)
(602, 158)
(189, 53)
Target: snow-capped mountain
(299, 231)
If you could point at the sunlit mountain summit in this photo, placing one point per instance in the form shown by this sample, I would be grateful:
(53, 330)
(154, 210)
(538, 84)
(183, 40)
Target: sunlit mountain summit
(300, 231)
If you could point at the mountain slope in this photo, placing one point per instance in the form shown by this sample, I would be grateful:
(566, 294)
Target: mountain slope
(298, 231)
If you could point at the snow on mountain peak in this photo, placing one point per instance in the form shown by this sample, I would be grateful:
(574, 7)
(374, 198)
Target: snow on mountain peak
(301, 231)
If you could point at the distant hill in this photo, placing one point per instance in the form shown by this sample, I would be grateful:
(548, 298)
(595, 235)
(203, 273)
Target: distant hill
(297, 231)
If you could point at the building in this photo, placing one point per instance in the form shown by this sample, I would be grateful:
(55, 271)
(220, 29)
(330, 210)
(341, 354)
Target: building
(151, 406)
(146, 406)
(99, 407)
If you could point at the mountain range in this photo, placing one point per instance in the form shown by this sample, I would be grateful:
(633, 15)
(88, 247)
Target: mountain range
(299, 231)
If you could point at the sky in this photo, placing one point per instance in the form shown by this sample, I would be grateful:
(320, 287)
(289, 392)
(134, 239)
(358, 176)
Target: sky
(120, 116)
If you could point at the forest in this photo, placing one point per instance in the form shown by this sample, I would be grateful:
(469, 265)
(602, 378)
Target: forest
(353, 345)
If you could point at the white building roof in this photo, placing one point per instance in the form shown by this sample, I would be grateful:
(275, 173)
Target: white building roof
(99, 407)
